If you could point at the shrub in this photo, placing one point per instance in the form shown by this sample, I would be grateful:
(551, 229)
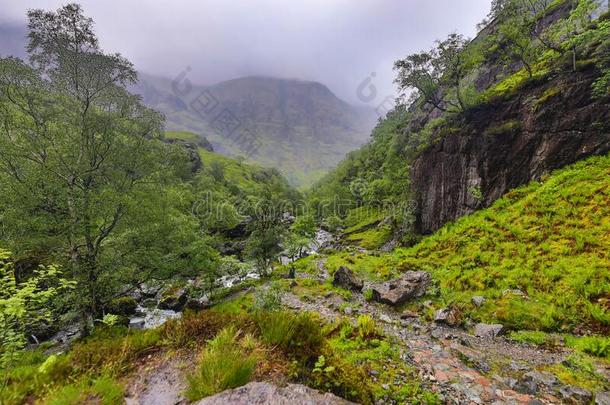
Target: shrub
(223, 365)
(595, 345)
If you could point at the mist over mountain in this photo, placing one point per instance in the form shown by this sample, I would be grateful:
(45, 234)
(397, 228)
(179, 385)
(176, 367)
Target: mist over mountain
(299, 127)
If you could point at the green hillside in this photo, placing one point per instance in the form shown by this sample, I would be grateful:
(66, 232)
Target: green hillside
(549, 239)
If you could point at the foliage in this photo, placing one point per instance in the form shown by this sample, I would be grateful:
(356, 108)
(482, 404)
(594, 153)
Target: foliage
(224, 364)
(25, 303)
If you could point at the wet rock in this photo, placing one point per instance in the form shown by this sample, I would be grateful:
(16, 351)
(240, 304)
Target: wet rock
(478, 300)
(345, 278)
(412, 284)
(198, 303)
(488, 331)
(149, 290)
(531, 382)
(449, 316)
(256, 393)
(602, 398)
(137, 323)
(173, 299)
(575, 395)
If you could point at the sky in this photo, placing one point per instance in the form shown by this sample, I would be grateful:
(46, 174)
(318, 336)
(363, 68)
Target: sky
(348, 45)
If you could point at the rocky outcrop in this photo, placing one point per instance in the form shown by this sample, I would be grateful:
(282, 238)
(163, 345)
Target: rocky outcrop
(173, 299)
(507, 143)
(412, 284)
(256, 393)
(345, 278)
(449, 316)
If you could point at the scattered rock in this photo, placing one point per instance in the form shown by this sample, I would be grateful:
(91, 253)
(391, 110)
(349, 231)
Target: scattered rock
(531, 382)
(385, 318)
(488, 331)
(345, 278)
(412, 284)
(602, 398)
(478, 300)
(173, 299)
(348, 310)
(575, 395)
(256, 393)
(409, 314)
(449, 316)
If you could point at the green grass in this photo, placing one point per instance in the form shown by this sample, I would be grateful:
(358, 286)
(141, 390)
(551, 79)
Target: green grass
(224, 364)
(550, 239)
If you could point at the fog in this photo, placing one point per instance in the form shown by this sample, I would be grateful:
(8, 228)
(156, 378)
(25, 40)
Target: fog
(337, 42)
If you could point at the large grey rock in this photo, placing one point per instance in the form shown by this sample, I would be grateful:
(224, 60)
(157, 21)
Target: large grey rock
(198, 303)
(259, 393)
(488, 331)
(412, 284)
(345, 278)
(575, 395)
(449, 316)
(602, 398)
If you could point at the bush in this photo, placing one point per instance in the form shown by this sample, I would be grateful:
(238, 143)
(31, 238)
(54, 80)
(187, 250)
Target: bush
(223, 365)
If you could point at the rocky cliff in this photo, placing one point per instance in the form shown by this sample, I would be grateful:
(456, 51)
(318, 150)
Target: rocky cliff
(509, 142)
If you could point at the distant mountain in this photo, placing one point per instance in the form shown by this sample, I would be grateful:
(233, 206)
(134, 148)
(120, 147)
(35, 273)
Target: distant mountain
(299, 127)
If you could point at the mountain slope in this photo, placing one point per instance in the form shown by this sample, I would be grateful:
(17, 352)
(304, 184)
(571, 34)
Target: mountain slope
(299, 127)
(549, 240)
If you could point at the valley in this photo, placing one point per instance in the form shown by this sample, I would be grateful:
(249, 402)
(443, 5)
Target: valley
(255, 242)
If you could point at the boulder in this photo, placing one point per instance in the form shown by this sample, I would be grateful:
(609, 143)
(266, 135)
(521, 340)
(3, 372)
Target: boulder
(575, 395)
(198, 303)
(122, 306)
(173, 299)
(412, 284)
(478, 300)
(345, 278)
(449, 316)
(602, 398)
(488, 331)
(137, 323)
(263, 393)
(531, 382)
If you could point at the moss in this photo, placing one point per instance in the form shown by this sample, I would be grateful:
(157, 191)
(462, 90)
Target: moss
(122, 306)
(548, 94)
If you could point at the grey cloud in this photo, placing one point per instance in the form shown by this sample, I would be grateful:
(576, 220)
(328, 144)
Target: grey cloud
(336, 42)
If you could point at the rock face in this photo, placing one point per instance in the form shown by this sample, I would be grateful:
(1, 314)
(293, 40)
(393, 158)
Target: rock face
(412, 284)
(345, 278)
(256, 393)
(508, 143)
